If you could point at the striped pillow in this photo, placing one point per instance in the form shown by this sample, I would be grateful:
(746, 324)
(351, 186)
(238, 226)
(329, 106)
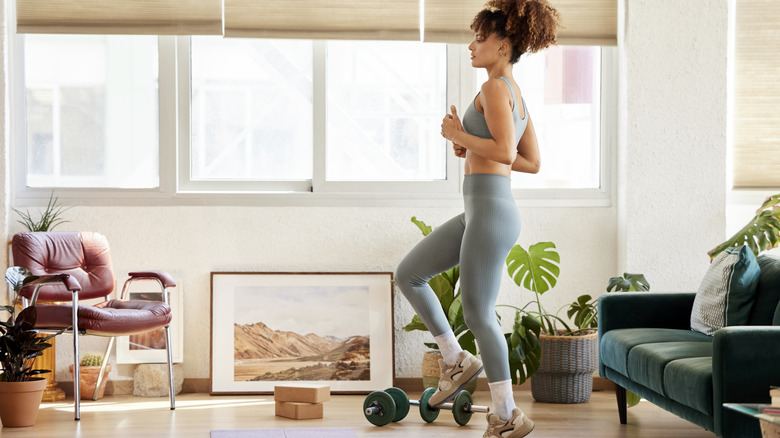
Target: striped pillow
(726, 294)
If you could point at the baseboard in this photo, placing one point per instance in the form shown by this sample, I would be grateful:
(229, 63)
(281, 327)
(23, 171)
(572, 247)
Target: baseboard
(414, 384)
(408, 384)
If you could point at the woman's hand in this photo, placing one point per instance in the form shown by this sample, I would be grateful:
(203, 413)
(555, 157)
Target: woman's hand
(451, 125)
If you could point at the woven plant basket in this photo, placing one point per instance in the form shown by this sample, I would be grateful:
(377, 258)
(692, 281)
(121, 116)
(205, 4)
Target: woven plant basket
(566, 369)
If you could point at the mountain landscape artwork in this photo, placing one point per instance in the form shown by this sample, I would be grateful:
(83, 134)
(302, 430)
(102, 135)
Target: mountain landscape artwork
(301, 333)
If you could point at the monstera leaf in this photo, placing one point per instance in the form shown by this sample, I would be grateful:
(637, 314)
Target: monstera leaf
(628, 283)
(761, 233)
(525, 352)
(536, 269)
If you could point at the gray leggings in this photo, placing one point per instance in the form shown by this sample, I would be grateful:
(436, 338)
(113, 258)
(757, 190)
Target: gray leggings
(479, 240)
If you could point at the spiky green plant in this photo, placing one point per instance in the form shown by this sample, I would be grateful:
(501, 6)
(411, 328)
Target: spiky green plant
(761, 233)
(91, 360)
(50, 217)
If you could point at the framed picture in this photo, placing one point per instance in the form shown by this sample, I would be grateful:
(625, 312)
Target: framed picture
(149, 347)
(271, 329)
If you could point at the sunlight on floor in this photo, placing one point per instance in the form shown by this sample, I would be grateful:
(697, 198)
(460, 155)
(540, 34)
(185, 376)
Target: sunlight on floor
(181, 405)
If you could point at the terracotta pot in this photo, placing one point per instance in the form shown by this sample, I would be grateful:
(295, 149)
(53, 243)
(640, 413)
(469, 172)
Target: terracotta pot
(431, 371)
(88, 379)
(19, 402)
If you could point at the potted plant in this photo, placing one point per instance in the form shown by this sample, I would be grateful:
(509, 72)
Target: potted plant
(50, 217)
(558, 356)
(445, 285)
(89, 370)
(21, 388)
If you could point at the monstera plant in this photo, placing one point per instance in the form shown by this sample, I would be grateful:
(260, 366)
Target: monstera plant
(761, 233)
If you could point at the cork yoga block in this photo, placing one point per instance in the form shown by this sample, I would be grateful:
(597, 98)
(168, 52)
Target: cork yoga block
(302, 394)
(299, 411)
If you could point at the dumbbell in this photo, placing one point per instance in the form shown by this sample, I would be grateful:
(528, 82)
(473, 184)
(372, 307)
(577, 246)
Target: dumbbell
(392, 405)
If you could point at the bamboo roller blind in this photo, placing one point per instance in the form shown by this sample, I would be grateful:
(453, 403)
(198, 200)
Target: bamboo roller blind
(586, 22)
(133, 17)
(757, 95)
(592, 22)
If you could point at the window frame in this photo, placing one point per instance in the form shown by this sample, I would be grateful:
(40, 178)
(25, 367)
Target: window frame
(176, 188)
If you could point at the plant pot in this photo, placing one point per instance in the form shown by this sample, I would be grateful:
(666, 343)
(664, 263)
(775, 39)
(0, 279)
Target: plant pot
(566, 368)
(431, 372)
(19, 402)
(88, 379)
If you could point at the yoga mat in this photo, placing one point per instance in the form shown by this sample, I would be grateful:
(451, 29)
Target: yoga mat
(284, 433)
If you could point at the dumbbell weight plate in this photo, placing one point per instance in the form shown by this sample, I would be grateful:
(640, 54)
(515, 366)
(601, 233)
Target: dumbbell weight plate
(460, 408)
(401, 403)
(386, 405)
(427, 412)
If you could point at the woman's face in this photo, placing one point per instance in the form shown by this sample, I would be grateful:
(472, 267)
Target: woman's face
(486, 50)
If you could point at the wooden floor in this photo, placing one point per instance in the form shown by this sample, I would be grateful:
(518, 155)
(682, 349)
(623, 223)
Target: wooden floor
(197, 414)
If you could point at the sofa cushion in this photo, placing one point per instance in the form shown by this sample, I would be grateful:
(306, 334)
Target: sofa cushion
(615, 345)
(727, 292)
(768, 291)
(689, 381)
(647, 362)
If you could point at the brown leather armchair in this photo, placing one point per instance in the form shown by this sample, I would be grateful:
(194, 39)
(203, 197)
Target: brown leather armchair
(85, 260)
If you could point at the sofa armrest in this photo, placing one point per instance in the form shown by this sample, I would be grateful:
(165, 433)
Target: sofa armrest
(619, 310)
(745, 363)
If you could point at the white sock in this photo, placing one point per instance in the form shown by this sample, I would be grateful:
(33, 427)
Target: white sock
(448, 344)
(503, 400)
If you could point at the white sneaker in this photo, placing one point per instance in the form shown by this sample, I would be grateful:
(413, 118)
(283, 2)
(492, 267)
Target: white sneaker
(454, 377)
(518, 426)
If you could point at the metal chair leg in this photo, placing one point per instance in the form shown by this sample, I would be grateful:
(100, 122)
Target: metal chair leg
(76, 384)
(103, 365)
(170, 366)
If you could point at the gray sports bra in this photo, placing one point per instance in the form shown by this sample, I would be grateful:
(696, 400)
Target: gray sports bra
(474, 121)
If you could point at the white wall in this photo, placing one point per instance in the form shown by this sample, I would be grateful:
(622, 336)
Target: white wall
(669, 209)
(672, 189)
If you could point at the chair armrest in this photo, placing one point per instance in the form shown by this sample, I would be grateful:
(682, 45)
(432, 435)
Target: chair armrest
(619, 310)
(67, 280)
(164, 277)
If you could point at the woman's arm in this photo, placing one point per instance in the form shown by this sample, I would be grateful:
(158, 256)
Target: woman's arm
(495, 102)
(527, 159)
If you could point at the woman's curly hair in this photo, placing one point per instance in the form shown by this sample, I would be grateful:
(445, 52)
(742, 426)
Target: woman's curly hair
(530, 25)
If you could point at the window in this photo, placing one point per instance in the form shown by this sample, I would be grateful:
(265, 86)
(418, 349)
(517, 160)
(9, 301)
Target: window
(206, 116)
(91, 111)
(251, 109)
(562, 89)
(254, 110)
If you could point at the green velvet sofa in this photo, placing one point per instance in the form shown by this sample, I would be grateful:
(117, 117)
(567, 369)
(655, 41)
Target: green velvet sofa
(646, 345)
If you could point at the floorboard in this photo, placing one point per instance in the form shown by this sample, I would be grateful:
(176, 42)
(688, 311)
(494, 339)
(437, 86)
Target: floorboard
(124, 416)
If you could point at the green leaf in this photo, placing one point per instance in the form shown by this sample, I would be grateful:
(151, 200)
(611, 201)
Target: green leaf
(443, 290)
(426, 229)
(632, 399)
(761, 232)
(628, 282)
(537, 269)
(524, 349)
(468, 343)
(416, 324)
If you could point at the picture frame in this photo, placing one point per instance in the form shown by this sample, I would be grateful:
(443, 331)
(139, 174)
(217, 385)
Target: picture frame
(149, 347)
(282, 328)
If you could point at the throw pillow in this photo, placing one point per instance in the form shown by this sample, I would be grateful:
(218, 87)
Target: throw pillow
(725, 296)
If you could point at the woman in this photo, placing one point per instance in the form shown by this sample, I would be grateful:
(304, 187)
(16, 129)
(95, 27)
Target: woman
(495, 138)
